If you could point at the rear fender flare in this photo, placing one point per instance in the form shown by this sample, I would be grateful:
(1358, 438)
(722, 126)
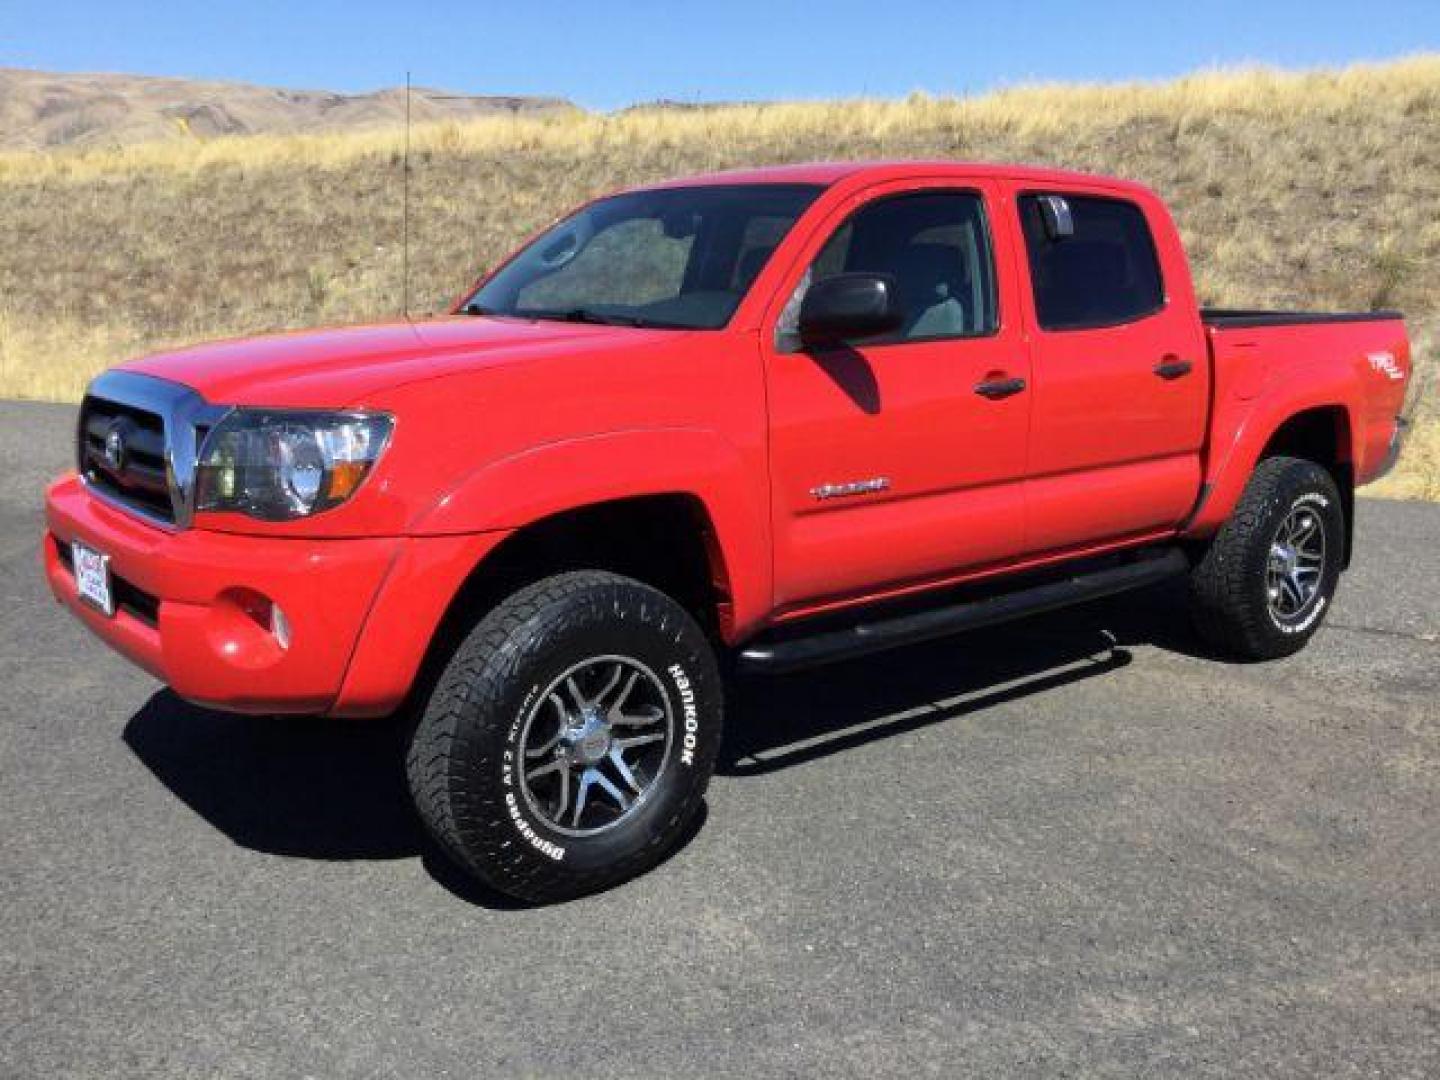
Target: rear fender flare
(1230, 467)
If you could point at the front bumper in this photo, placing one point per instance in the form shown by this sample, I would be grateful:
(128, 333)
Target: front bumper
(361, 611)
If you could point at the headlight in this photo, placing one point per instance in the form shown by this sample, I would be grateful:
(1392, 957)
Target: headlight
(277, 465)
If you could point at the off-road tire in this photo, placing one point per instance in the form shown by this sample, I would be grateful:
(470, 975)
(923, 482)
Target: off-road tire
(465, 787)
(1230, 604)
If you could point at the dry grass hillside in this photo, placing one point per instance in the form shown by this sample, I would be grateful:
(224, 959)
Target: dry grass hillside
(1313, 189)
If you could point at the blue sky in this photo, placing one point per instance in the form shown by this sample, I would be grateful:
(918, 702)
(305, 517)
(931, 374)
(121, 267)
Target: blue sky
(605, 54)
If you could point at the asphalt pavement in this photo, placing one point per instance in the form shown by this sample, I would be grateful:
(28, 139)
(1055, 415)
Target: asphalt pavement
(1077, 846)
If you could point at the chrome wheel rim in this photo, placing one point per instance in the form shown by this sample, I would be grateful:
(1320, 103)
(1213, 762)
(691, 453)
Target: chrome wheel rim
(1296, 564)
(595, 744)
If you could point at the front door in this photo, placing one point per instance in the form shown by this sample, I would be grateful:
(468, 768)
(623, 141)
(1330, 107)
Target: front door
(899, 461)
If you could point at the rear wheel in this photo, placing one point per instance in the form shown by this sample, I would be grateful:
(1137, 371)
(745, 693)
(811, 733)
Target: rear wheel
(1267, 579)
(570, 739)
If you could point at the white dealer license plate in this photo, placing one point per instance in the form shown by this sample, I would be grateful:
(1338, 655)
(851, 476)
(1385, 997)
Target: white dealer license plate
(92, 577)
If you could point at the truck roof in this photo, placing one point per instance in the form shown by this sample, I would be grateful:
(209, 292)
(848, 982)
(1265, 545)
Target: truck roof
(830, 172)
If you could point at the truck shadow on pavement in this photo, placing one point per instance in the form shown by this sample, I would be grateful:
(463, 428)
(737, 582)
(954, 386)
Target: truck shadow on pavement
(294, 786)
(782, 721)
(317, 789)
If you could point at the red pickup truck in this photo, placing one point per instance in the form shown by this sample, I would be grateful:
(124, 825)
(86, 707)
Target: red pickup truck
(763, 419)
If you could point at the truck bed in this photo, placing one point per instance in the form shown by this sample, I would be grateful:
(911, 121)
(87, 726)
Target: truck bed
(1238, 318)
(1355, 361)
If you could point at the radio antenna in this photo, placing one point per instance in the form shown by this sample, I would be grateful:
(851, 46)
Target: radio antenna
(405, 212)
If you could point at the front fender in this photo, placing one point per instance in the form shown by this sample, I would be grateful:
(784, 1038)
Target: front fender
(529, 486)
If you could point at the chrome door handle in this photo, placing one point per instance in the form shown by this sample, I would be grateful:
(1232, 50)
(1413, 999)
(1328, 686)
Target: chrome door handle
(1173, 368)
(995, 389)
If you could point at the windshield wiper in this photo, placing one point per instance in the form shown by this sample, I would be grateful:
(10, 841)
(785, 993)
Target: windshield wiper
(580, 315)
(587, 315)
(599, 318)
(641, 322)
(479, 310)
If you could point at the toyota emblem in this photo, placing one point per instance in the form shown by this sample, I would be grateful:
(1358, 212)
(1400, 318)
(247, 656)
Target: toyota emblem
(115, 446)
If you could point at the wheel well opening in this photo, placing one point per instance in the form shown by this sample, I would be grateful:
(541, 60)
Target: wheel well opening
(666, 541)
(1323, 436)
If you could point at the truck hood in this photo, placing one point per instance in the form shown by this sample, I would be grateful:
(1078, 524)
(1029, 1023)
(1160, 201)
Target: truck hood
(343, 367)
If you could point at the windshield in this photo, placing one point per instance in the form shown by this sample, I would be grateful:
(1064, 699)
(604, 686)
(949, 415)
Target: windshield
(673, 257)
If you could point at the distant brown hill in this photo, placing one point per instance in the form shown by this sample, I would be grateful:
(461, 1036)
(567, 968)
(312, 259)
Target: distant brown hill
(40, 109)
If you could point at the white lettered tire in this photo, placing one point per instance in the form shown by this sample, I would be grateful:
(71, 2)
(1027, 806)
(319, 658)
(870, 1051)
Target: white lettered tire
(1267, 580)
(569, 741)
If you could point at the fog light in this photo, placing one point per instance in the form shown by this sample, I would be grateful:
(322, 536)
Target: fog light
(279, 626)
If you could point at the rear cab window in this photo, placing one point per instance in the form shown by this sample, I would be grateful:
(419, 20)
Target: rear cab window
(1104, 272)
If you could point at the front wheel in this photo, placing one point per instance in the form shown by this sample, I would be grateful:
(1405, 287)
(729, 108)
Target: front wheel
(1267, 579)
(570, 739)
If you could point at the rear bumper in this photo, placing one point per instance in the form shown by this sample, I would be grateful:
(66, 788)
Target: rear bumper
(185, 603)
(1394, 450)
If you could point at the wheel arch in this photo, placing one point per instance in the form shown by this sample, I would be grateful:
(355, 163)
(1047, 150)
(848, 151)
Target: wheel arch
(665, 539)
(1321, 429)
(689, 493)
(1324, 435)
(697, 477)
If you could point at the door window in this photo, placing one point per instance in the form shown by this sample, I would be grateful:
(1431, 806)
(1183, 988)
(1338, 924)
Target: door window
(936, 247)
(1103, 273)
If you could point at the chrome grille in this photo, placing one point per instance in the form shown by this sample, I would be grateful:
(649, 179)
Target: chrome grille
(138, 439)
(122, 454)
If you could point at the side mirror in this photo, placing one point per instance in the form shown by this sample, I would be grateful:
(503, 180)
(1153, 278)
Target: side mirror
(849, 307)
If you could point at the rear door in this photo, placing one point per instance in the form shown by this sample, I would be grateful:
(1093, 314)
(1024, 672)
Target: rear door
(1121, 381)
(890, 466)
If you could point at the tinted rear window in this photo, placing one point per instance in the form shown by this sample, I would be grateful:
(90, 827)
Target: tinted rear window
(1105, 274)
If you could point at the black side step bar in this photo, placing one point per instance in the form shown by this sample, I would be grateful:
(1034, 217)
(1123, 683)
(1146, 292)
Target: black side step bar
(829, 646)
